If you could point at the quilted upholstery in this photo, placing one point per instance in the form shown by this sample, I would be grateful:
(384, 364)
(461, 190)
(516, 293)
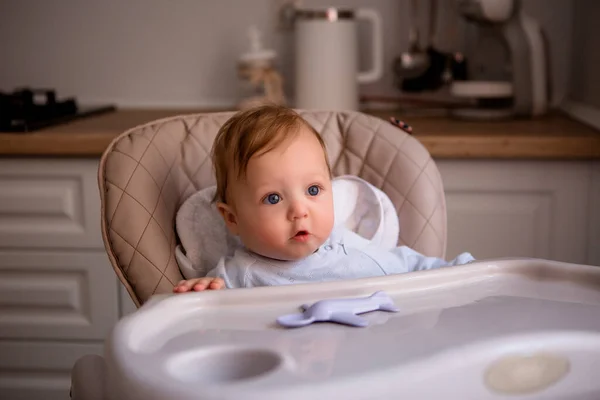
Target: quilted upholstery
(147, 172)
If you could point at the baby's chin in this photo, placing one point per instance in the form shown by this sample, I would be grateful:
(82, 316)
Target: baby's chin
(288, 254)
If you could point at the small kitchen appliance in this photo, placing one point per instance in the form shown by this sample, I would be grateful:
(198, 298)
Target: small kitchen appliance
(327, 57)
(508, 72)
(26, 109)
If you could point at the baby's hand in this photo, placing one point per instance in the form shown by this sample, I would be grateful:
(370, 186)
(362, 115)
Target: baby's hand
(199, 284)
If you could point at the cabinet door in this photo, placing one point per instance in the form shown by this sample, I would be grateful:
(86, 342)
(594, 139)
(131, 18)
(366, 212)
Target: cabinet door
(594, 218)
(56, 295)
(517, 208)
(49, 203)
(39, 370)
(126, 305)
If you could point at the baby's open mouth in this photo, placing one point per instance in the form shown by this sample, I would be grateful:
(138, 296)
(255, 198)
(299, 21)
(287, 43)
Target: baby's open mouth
(301, 235)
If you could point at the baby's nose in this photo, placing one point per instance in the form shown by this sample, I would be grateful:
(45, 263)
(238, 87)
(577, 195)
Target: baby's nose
(297, 210)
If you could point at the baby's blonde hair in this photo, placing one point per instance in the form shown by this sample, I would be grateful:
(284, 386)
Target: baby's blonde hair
(253, 132)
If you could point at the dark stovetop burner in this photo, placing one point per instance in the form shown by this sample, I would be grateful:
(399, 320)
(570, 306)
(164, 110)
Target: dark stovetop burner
(26, 110)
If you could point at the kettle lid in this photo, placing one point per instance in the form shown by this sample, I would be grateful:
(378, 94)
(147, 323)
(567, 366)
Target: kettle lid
(330, 14)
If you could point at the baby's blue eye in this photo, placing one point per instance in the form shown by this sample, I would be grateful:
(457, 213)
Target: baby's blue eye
(314, 190)
(273, 198)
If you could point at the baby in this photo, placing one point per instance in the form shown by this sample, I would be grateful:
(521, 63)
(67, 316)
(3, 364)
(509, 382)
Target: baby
(274, 192)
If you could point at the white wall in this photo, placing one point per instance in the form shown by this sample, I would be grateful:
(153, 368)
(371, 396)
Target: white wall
(183, 52)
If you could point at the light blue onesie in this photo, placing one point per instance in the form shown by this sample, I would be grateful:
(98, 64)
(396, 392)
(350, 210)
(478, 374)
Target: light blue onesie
(345, 255)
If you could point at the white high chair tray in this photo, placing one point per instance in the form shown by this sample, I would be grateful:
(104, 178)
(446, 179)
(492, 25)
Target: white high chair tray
(513, 328)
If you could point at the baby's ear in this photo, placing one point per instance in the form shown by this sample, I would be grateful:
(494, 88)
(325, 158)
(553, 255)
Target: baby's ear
(229, 217)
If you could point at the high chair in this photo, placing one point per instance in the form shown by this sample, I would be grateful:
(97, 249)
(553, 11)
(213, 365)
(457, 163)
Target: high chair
(149, 171)
(524, 328)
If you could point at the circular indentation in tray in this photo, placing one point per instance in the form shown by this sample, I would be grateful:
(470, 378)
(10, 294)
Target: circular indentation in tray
(526, 374)
(222, 365)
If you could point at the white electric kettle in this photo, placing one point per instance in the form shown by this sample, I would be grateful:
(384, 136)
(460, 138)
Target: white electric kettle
(326, 65)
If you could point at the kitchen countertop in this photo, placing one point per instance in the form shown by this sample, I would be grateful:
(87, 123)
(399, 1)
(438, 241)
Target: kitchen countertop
(554, 136)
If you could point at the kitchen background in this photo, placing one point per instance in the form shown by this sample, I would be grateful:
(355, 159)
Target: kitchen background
(184, 53)
(523, 188)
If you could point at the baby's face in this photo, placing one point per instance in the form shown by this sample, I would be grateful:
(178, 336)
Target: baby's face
(284, 207)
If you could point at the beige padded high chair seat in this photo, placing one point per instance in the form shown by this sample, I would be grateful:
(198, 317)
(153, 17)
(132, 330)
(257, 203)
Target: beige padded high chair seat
(147, 172)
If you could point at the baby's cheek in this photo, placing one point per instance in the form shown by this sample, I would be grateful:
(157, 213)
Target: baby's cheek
(325, 217)
(267, 222)
(268, 234)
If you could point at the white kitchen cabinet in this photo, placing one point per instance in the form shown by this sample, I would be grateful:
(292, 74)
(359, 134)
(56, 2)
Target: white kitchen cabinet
(126, 304)
(594, 217)
(48, 203)
(59, 296)
(56, 295)
(40, 370)
(537, 209)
